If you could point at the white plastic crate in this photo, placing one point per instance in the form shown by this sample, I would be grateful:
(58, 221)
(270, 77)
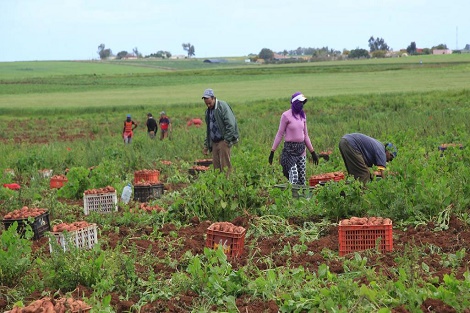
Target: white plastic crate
(101, 203)
(83, 238)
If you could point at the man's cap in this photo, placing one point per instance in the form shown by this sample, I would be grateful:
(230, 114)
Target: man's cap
(149, 114)
(298, 97)
(162, 113)
(391, 148)
(128, 115)
(208, 93)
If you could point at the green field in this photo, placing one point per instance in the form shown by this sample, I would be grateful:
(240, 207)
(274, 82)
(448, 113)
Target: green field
(78, 85)
(68, 117)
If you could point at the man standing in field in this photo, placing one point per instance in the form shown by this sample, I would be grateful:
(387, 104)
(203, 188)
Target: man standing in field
(222, 131)
(361, 152)
(128, 130)
(152, 127)
(165, 125)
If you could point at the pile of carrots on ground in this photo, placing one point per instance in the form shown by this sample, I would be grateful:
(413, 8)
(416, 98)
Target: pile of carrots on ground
(226, 227)
(24, 213)
(149, 208)
(366, 221)
(69, 226)
(49, 305)
(107, 189)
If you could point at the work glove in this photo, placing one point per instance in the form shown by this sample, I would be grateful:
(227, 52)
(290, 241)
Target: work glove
(271, 157)
(314, 158)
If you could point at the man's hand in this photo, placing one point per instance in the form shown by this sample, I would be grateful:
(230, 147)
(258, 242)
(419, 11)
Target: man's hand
(271, 157)
(314, 158)
(205, 151)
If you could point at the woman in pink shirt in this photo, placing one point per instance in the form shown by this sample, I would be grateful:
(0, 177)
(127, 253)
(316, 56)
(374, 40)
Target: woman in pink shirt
(293, 127)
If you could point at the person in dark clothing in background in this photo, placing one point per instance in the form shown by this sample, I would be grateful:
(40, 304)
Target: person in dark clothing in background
(152, 126)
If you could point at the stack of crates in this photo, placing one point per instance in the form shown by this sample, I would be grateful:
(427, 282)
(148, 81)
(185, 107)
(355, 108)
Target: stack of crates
(147, 185)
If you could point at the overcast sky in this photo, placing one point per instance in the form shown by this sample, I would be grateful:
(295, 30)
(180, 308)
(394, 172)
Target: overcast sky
(73, 29)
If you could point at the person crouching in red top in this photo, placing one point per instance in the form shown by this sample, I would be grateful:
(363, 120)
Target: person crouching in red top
(165, 125)
(128, 130)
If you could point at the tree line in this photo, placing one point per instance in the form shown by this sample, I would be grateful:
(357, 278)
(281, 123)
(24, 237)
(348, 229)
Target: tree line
(378, 48)
(105, 53)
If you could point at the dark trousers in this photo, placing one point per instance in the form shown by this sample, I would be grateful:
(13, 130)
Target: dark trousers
(354, 161)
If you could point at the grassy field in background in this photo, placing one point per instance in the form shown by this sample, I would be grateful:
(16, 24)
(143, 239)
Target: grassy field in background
(124, 84)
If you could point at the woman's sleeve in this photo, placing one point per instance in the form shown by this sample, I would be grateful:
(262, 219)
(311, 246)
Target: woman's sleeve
(280, 132)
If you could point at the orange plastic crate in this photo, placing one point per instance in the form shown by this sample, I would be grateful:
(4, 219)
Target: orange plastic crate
(57, 183)
(233, 244)
(354, 238)
(150, 176)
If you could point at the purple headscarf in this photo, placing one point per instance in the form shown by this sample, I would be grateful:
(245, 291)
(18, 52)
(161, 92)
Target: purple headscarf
(297, 104)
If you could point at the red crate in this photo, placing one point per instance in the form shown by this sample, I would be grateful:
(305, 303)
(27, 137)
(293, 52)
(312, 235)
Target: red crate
(149, 176)
(57, 182)
(232, 244)
(362, 237)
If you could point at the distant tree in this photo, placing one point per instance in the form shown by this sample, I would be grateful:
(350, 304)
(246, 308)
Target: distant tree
(377, 44)
(427, 51)
(266, 54)
(121, 55)
(440, 47)
(358, 53)
(411, 49)
(104, 53)
(163, 54)
(189, 48)
(284, 53)
(160, 54)
(136, 52)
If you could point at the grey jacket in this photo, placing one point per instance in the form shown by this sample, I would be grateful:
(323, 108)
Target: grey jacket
(226, 122)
